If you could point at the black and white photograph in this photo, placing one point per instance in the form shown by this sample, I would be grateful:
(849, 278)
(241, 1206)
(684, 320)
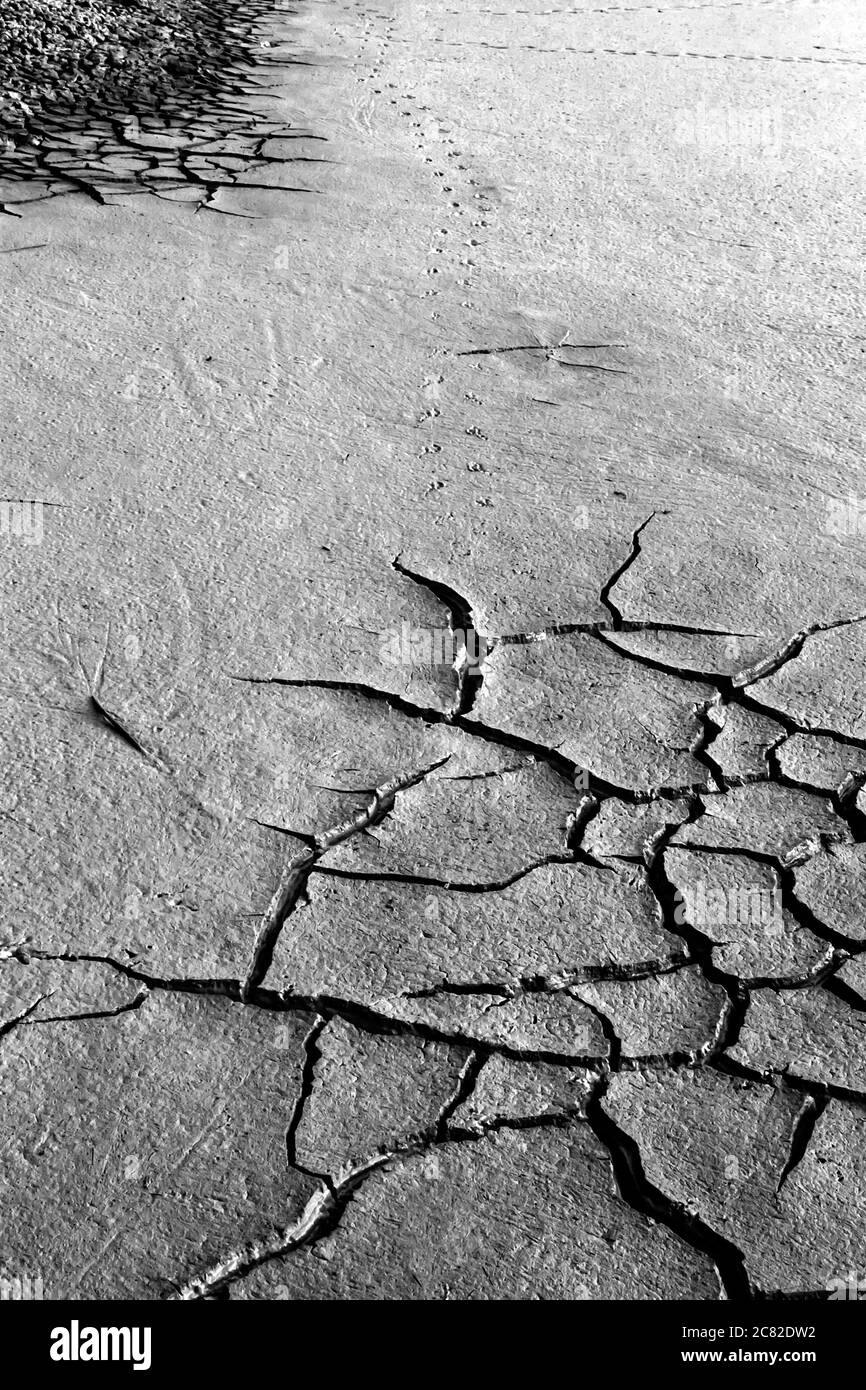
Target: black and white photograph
(433, 680)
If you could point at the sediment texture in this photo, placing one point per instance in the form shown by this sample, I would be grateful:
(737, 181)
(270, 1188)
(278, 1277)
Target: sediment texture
(432, 811)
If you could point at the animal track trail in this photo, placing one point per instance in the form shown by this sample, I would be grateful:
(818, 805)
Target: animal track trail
(377, 34)
(454, 239)
(650, 53)
(643, 9)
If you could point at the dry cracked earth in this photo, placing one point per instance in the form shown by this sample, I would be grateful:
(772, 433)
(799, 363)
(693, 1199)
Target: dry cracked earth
(433, 806)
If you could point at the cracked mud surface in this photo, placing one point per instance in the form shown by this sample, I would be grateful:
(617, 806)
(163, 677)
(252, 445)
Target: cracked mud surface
(432, 814)
(113, 101)
(94, 50)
